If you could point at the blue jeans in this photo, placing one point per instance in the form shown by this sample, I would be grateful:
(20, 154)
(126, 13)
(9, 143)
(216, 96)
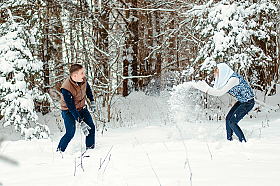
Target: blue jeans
(70, 126)
(236, 113)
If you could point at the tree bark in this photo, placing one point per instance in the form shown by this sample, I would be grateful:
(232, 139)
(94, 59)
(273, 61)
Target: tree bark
(158, 55)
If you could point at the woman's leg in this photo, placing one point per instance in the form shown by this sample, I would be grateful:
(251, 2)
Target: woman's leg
(229, 115)
(241, 110)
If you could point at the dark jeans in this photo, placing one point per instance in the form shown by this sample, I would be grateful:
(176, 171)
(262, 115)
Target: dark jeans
(236, 113)
(70, 125)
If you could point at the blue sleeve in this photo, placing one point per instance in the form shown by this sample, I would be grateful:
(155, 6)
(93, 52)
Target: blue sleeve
(70, 103)
(89, 93)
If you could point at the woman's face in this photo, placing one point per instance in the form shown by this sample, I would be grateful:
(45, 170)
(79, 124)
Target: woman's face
(216, 73)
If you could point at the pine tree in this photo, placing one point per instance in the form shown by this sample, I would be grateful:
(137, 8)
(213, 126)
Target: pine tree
(242, 34)
(19, 74)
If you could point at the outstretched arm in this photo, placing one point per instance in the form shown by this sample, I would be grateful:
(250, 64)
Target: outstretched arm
(230, 84)
(204, 87)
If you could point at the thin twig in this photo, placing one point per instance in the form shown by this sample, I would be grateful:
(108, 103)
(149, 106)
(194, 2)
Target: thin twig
(187, 159)
(209, 149)
(107, 162)
(221, 127)
(82, 150)
(8, 160)
(101, 163)
(148, 159)
(81, 156)
(165, 145)
(75, 169)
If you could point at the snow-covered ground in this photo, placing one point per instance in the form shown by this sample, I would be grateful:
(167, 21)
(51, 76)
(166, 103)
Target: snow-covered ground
(159, 153)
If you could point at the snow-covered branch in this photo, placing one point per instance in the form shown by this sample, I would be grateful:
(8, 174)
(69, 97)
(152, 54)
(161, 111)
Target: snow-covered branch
(132, 77)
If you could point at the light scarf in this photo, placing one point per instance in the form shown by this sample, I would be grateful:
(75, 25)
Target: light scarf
(225, 72)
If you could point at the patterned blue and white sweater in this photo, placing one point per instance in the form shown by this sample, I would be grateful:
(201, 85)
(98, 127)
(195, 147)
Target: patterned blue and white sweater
(243, 92)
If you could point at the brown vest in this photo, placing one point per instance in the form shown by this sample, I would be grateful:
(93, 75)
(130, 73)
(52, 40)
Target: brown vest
(78, 92)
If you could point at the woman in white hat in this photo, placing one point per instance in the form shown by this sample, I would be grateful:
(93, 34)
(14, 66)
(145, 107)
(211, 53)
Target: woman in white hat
(226, 80)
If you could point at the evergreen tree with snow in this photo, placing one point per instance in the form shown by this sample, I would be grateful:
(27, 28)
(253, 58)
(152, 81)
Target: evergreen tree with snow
(242, 34)
(19, 74)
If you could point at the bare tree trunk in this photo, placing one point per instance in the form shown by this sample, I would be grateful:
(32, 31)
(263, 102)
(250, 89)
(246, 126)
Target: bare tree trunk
(103, 45)
(278, 35)
(83, 15)
(131, 48)
(172, 50)
(125, 74)
(57, 48)
(105, 61)
(142, 47)
(45, 59)
(158, 55)
(72, 42)
(150, 61)
(102, 51)
(134, 42)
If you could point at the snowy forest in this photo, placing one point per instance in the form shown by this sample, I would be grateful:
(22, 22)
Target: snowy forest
(127, 46)
(152, 127)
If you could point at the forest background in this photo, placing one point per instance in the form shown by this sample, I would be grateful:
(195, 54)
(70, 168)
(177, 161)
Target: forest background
(127, 46)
